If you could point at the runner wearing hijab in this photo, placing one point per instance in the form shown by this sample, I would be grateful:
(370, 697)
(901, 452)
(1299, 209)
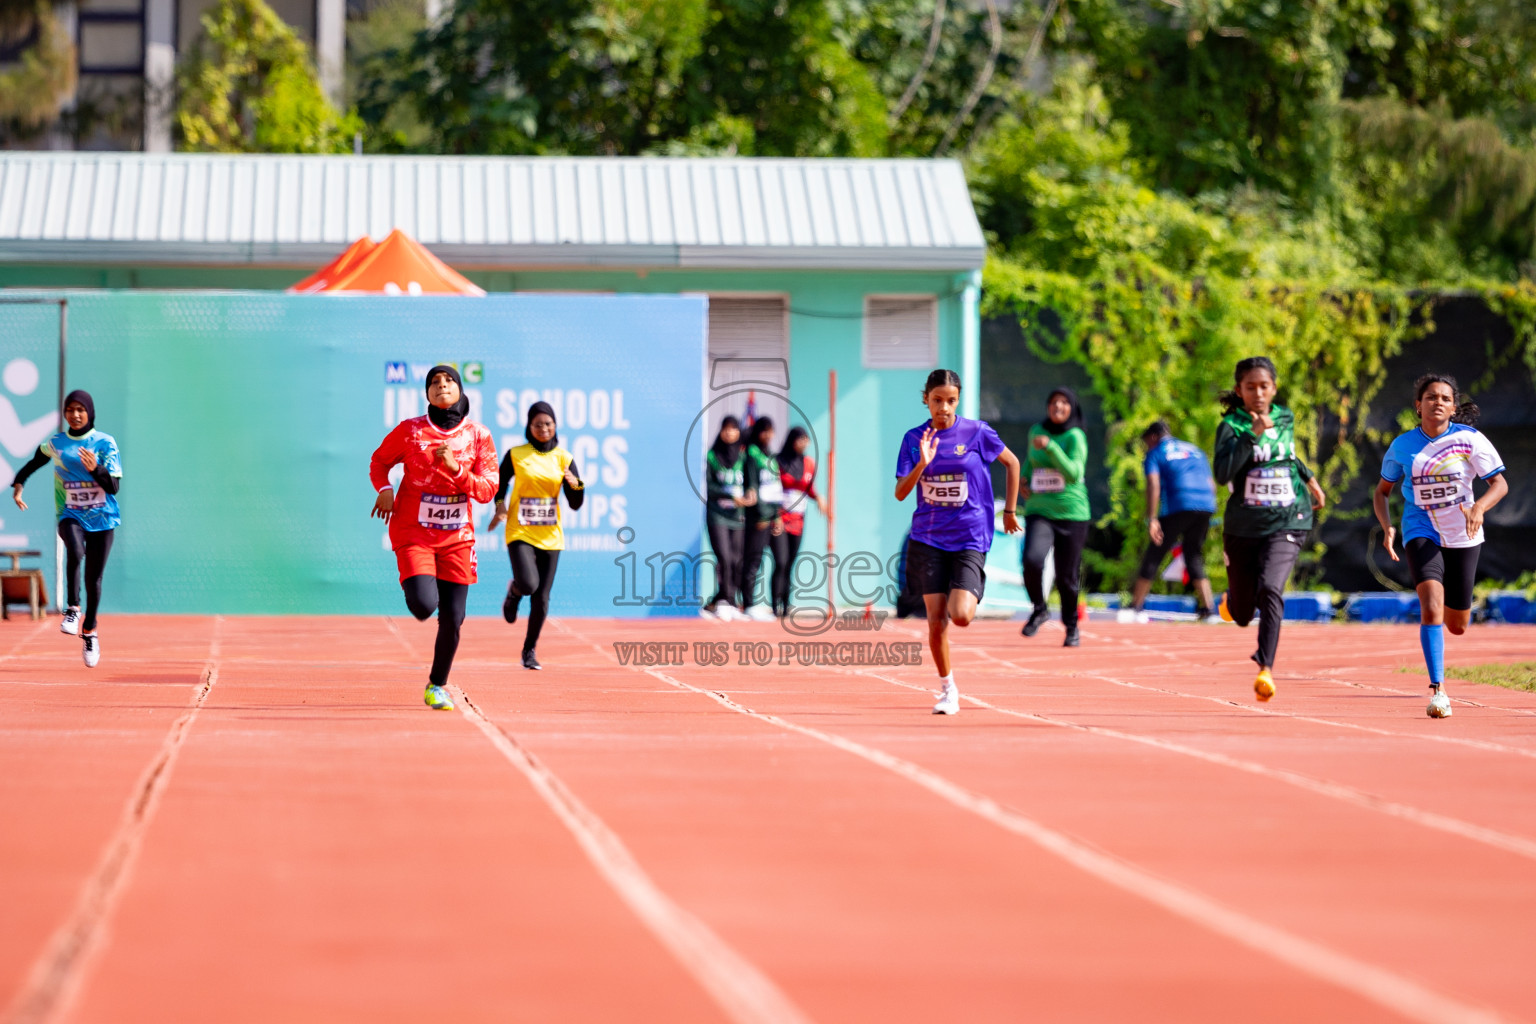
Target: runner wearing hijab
(725, 501)
(1435, 464)
(948, 462)
(536, 472)
(450, 461)
(1056, 508)
(764, 519)
(797, 471)
(1266, 522)
(87, 473)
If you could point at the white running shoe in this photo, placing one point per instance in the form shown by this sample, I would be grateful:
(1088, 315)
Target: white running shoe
(728, 613)
(705, 613)
(71, 622)
(1439, 704)
(949, 700)
(761, 613)
(92, 651)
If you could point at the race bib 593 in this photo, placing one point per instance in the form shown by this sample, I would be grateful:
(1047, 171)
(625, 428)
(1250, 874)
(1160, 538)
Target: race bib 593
(1441, 491)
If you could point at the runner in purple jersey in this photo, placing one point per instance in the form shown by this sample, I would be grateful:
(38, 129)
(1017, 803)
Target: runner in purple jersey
(948, 462)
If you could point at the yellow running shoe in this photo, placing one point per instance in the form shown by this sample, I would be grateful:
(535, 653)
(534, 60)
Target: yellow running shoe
(1223, 611)
(437, 698)
(1264, 685)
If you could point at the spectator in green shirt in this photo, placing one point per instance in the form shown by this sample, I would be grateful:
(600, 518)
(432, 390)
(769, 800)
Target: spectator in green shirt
(765, 507)
(1056, 509)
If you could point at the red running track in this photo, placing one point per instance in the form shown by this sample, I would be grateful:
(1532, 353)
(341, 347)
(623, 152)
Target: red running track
(257, 820)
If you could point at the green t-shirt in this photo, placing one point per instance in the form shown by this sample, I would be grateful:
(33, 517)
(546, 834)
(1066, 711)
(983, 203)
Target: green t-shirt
(1054, 475)
(762, 476)
(722, 486)
(1268, 480)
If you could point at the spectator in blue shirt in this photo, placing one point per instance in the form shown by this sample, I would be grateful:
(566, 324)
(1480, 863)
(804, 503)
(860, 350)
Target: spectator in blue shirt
(1181, 498)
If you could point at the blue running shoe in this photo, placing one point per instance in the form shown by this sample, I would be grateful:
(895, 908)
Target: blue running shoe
(437, 698)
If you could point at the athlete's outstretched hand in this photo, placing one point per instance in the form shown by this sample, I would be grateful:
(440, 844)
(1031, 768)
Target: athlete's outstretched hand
(572, 479)
(1387, 537)
(16, 494)
(1040, 441)
(929, 446)
(497, 519)
(88, 460)
(444, 454)
(384, 505)
(1011, 523)
(1261, 423)
(1155, 531)
(1319, 499)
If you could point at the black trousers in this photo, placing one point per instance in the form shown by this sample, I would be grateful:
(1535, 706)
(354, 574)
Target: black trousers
(1186, 528)
(786, 547)
(1068, 538)
(1257, 570)
(759, 538)
(730, 548)
(533, 576)
(427, 594)
(91, 547)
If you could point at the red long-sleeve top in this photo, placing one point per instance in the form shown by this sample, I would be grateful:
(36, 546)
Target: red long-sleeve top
(445, 517)
(794, 508)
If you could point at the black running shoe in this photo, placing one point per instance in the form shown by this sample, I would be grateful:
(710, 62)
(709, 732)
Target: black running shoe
(1072, 639)
(529, 661)
(509, 606)
(1039, 617)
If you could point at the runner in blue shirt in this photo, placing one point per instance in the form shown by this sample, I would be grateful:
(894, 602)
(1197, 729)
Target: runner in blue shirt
(1435, 464)
(1181, 498)
(87, 473)
(948, 462)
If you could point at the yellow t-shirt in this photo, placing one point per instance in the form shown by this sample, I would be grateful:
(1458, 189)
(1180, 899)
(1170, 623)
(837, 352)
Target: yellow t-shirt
(533, 502)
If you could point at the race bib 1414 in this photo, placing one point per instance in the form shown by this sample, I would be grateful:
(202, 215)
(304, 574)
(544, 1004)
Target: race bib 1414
(443, 511)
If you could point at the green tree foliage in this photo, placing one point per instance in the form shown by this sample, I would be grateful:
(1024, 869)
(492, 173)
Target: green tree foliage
(39, 74)
(631, 76)
(249, 86)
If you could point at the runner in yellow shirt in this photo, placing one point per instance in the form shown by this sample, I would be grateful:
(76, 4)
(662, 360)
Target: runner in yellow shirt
(535, 473)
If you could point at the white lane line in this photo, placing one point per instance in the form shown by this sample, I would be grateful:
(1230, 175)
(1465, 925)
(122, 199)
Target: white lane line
(1392, 991)
(745, 993)
(57, 976)
(1517, 845)
(1433, 737)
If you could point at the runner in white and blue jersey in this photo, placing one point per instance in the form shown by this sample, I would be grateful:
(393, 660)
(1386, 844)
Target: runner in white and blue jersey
(86, 472)
(1436, 464)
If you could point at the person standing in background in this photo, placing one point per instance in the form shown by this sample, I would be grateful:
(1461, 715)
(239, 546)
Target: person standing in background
(1181, 498)
(725, 503)
(1056, 509)
(765, 519)
(797, 471)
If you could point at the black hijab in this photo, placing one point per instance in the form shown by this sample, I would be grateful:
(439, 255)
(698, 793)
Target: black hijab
(728, 454)
(1074, 420)
(791, 461)
(548, 410)
(84, 398)
(451, 417)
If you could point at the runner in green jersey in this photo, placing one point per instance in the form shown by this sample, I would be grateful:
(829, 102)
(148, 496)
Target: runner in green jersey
(1267, 516)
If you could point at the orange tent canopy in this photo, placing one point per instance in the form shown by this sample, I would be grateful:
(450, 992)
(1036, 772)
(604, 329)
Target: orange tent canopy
(399, 265)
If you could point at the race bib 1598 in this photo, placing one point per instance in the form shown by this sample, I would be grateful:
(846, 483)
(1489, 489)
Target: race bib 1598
(1441, 491)
(443, 511)
(537, 512)
(947, 489)
(1269, 487)
(1047, 481)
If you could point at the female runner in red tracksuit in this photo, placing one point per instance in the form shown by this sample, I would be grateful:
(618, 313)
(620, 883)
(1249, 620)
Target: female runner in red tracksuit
(797, 471)
(450, 462)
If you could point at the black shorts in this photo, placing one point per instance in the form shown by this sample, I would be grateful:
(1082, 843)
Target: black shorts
(1455, 569)
(1186, 528)
(932, 570)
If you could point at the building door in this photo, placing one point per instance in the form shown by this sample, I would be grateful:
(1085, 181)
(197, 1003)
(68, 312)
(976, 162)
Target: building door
(748, 360)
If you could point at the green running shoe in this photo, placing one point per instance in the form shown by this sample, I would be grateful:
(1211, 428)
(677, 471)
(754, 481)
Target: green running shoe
(437, 697)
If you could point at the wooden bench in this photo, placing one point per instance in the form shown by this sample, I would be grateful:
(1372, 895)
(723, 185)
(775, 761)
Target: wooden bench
(22, 586)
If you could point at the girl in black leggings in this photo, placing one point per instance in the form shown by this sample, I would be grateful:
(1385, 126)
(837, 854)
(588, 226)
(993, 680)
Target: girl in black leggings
(725, 517)
(88, 473)
(536, 473)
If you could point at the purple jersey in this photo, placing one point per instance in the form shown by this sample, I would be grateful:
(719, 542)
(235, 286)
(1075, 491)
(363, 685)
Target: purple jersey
(954, 494)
